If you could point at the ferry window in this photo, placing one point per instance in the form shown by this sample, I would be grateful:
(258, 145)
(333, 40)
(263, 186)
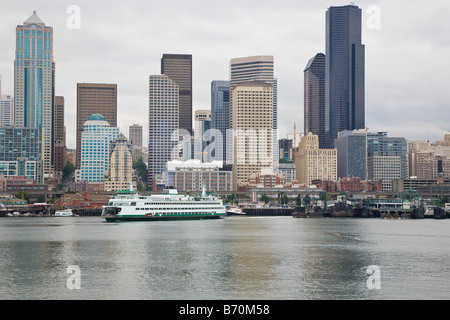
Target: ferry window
(133, 203)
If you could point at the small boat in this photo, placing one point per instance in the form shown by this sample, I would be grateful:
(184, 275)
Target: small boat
(235, 211)
(64, 213)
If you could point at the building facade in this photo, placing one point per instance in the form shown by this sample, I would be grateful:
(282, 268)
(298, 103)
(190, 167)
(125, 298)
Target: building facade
(120, 175)
(352, 154)
(136, 136)
(178, 67)
(59, 136)
(344, 71)
(220, 113)
(6, 109)
(34, 87)
(96, 141)
(192, 175)
(386, 158)
(163, 126)
(20, 153)
(313, 163)
(314, 98)
(94, 98)
(257, 68)
(252, 124)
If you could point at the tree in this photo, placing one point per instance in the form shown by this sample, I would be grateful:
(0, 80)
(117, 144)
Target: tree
(264, 198)
(284, 199)
(298, 200)
(69, 168)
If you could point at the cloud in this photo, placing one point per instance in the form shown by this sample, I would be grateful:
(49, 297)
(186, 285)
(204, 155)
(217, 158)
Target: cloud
(407, 66)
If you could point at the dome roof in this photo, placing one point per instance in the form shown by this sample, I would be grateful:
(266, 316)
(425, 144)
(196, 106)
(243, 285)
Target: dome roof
(96, 117)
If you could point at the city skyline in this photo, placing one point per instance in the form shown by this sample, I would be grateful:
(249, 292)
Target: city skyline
(396, 52)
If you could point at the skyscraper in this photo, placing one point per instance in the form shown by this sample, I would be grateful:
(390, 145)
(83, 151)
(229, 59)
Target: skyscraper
(352, 154)
(257, 68)
(314, 98)
(59, 137)
(220, 112)
(120, 174)
(34, 89)
(163, 131)
(344, 75)
(94, 98)
(178, 67)
(252, 118)
(95, 145)
(136, 141)
(6, 109)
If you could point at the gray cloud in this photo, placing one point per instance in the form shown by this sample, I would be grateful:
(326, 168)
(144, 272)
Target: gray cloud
(407, 66)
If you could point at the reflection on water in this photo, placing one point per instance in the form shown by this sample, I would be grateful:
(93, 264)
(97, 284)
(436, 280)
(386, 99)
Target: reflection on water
(232, 258)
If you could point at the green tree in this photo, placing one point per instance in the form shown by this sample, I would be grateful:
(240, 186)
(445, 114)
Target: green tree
(264, 198)
(69, 168)
(298, 200)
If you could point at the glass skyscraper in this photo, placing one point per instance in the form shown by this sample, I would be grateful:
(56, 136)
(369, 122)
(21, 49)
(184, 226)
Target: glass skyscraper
(344, 74)
(314, 98)
(96, 141)
(220, 112)
(34, 76)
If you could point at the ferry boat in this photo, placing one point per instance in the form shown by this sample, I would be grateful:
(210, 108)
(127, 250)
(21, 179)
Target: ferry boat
(169, 205)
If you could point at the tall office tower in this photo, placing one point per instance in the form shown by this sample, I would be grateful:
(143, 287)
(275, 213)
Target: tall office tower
(163, 121)
(6, 109)
(120, 175)
(136, 141)
(352, 154)
(20, 152)
(95, 145)
(34, 87)
(59, 136)
(178, 67)
(94, 98)
(202, 124)
(257, 68)
(314, 98)
(344, 75)
(136, 135)
(220, 113)
(386, 158)
(312, 163)
(252, 119)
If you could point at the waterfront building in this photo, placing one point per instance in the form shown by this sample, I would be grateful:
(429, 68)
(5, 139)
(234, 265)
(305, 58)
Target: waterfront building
(265, 179)
(257, 68)
(94, 98)
(313, 163)
(428, 160)
(120, 175)
(6, 109)
(163, 127)
(192, 175)
(386, 158)
(34, 87)
(314, 98)
(59, 136)
(96, 141)
(20, 152)
(344, 72)
(252, 124)
(352, 153)
(178, 67)
(288, 171)
(220, 113)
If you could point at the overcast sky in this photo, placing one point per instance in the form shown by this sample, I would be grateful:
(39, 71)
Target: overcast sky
(407, 53)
